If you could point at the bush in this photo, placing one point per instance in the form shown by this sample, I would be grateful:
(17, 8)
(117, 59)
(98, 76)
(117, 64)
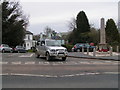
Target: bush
(33, 49)
(68, 46)
(115, 48)
(30, 50)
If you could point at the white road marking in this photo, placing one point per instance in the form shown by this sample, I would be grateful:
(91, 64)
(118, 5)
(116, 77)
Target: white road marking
(33, 75)
(55, 76)
(13, 54)
(40, 62)
(61, 63)
(27, 55)
(84, 62)
(46, 63)
(16, 62)
(4, 74)
(108, 61)
(111, 72)
(114, 63)
(3, 62)
(29, 62)
(54, 63)
(71, 75)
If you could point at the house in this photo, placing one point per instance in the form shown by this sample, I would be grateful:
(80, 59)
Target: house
(52, 35)
(28, 41)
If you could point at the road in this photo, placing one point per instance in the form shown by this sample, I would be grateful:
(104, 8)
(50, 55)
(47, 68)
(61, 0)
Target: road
(23, 70)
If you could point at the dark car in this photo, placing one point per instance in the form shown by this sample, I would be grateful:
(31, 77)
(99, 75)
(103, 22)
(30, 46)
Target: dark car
(19, 49)
(78, 47)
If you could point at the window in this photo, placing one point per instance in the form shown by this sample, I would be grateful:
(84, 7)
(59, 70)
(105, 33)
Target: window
(28, 37)
(24, 45)
(28, 44)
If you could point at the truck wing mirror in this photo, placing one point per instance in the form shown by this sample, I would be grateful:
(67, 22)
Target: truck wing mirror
(38, 43)
(42, 44)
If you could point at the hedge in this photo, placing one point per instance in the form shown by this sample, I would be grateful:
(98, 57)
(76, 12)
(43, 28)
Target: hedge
(68, 46)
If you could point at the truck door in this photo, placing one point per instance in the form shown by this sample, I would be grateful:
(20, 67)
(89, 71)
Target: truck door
(42, 47)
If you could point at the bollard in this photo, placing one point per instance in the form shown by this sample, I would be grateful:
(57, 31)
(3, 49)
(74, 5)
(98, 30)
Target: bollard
(83, 50)
(94, 52)
(111, 50)
(117, 49)
(96, 48)
(87, 50)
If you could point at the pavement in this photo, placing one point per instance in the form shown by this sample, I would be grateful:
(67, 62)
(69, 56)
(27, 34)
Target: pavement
(102, 56)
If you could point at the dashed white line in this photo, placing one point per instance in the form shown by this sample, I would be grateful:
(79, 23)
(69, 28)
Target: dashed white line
(52, 76)
(27, 55)
(111, 72)
(16, 62)
(33, 75)
(58, 63)
(29, 62)
(46, 63)
(84, 62)
(13, 54)
(40, 62)
(3, 62)
(4, 74)
(108, 61)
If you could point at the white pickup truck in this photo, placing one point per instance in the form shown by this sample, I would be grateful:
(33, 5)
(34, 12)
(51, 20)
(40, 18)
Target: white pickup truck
(50, 49)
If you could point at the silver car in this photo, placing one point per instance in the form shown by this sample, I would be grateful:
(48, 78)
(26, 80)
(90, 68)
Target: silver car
(5, 48)
(51, 49)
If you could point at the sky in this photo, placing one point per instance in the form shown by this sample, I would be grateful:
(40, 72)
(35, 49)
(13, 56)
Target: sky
(58, 14)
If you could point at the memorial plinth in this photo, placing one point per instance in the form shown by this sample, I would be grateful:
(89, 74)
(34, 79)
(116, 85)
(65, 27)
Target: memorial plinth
(102, 44)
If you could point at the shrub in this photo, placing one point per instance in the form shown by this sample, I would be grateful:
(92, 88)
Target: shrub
(30, 50)
(68, 46)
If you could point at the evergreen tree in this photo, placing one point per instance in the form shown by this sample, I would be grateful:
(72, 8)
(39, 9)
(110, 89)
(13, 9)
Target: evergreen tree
(112, 34)
(81, 29)
(82, 22)
(14, 23)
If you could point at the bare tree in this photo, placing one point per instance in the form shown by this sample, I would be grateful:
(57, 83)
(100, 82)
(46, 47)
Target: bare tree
(72, 24)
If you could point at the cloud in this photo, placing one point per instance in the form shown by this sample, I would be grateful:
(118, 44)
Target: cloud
(49, 19)
(69, 0)
(57, 15)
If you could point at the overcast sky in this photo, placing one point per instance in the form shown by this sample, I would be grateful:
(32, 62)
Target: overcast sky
(57, 15)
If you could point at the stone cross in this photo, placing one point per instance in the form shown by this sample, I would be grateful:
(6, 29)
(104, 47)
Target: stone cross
(102, 32)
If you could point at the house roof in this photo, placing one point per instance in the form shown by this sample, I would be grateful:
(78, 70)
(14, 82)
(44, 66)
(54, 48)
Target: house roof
(28, 32)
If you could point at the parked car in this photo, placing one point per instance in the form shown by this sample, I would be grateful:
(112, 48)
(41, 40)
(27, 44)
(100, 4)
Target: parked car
(5, 48)
(78, 47)
(19, 49)
(51, 49)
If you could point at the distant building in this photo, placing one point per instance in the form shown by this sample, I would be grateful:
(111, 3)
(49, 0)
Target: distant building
(52, 35)
(119, 16)
(28, 41)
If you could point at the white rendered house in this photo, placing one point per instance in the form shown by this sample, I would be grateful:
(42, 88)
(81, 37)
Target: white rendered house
(28, 41)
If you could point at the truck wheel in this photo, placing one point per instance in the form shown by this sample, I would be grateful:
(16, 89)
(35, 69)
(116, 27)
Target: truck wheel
(37, 55)
(3, 51)
(48, 57)
(78, 50)
(11, 51)
(63, 58)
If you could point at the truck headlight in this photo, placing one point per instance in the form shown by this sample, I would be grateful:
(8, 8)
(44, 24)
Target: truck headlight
(52, 50)
(65, 50)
